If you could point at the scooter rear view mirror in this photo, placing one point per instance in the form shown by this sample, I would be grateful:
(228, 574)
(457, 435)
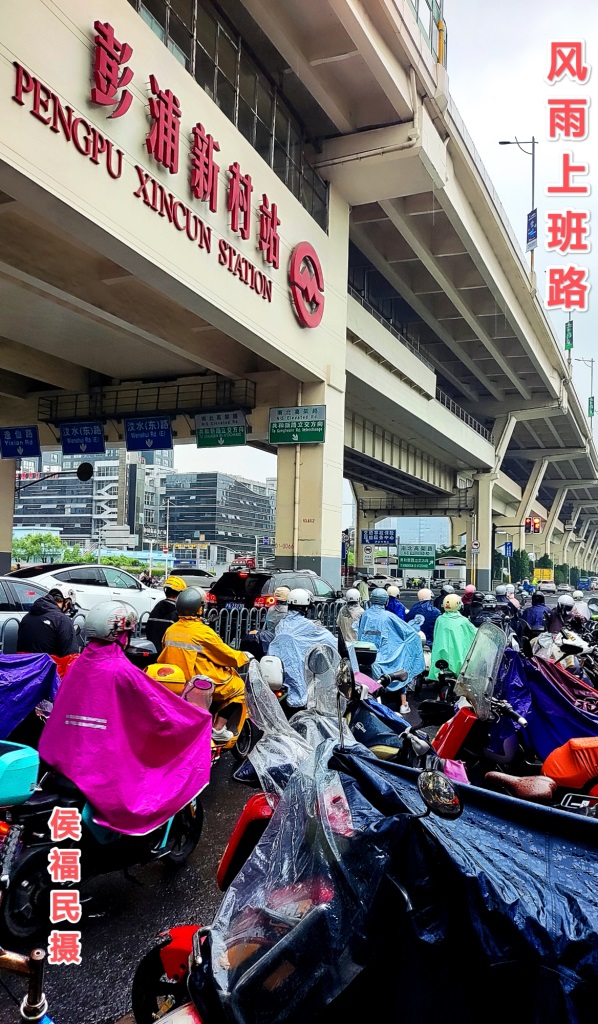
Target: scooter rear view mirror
(439, 794)
(345, 680)
(442, 664)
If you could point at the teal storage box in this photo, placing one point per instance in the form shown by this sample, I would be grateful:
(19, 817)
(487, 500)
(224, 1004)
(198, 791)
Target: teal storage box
(19, 767)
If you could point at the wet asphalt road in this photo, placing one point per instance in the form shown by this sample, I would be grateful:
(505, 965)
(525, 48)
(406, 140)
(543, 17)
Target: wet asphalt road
(130, 917)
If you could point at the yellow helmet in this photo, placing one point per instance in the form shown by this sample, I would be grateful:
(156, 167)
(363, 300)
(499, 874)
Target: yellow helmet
(452, 603)
(175, 583)
(172, 676)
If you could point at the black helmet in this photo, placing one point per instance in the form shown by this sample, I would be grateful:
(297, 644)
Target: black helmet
(189, 602)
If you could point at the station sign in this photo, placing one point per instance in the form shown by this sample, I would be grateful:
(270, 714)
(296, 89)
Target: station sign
(417, 556)
(20, 443)
(220, 429)
(148, 433)
(298, 424)
(386, 537)
(79, 438)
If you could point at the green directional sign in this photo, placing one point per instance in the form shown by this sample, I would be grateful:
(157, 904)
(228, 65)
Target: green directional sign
(590, 407)
(417, 556)
(298, 424)
(220, 429)
(568, 335)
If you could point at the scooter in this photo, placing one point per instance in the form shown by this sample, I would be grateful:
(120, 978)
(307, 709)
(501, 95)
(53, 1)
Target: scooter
(291, 922)
(569, 778)
(25, 840)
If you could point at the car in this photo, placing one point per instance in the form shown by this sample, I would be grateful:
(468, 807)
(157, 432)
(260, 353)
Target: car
(16, 598)
(92, 584)
(564, 588)
(381, 579)
(195, 577)
(547, 587)
(254, 588)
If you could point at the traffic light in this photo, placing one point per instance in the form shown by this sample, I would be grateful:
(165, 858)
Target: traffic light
(528, 524)
(537, 525)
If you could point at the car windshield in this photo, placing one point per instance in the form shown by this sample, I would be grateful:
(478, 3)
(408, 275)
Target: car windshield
(478, 675)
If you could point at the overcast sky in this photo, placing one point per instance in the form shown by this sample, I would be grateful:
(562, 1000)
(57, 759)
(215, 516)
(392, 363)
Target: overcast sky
(498, 60)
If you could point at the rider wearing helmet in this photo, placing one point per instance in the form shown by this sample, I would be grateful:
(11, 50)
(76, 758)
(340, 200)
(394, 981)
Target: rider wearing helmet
(394, 605)
(199, 651)
(446, 588)
(510, 594)
(561, 616)
(581, 610)
(138, 752)
(398, 645)
(47, 628)
(295, 635)
(466, 599)
(164, 613)
(453, 636)
(279, 609)
(347, 620)
(424, 606)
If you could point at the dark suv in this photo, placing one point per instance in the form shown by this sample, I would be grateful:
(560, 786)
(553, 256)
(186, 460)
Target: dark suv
(254, 588)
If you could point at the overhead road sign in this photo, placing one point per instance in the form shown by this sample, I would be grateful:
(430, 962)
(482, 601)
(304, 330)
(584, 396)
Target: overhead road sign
(220, 429)
(298, 424)
(148, 433)
(417, 556)
(20, 443)
(82, 438)
(386, 537)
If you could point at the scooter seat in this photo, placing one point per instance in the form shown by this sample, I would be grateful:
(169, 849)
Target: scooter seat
(537, 788)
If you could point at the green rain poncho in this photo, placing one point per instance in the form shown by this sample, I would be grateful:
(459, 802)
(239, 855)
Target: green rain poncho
(453, 636)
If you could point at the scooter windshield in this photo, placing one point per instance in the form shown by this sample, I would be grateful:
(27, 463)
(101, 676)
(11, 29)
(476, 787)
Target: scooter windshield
(478, 674)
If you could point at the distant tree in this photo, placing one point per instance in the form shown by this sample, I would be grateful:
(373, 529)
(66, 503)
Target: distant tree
(37, 547)
(545, 562)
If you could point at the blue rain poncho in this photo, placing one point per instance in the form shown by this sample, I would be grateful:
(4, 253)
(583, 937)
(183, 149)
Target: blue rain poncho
(295, 636)
(453, 636)
(399, 644)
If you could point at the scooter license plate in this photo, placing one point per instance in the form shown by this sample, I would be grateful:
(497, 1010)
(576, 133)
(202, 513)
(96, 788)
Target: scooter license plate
(234, 606)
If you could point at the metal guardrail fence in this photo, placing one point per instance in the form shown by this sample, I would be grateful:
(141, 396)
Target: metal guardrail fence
(231, 625)
(456, 410)
(387, 324)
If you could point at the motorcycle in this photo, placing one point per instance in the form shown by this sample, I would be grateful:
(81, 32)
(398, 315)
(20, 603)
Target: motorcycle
(306, 903)
(350, 892)
(25, 840)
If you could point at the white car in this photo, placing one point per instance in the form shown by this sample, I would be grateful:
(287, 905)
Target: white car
(94, 583)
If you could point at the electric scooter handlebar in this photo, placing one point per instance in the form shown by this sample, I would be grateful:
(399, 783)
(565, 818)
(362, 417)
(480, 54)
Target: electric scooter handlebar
(394, 677)
(502, 707)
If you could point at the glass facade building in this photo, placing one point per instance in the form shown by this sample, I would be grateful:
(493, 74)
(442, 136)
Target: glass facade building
(223, 510)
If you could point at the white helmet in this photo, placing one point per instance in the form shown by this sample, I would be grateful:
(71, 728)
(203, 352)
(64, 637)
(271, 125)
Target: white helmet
(509, 588)
(352, 596)
(578, 595)
(393, 591)
(109, 619)
(501, 590)
(299, 598)
(66, 593)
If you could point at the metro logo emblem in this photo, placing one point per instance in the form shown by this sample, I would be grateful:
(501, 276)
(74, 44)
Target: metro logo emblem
(307, 284)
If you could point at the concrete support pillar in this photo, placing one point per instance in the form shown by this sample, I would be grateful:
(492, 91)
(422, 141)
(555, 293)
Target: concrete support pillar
(462, 526)
(364, 521)
(590, 546)
(485, 487)
(553, 515)
(309, 492)
(568, 538)
(7, 505)
(531, 491)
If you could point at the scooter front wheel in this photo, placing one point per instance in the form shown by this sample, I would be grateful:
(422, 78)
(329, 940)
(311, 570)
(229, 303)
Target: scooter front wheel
(154, 994)
(25, 907)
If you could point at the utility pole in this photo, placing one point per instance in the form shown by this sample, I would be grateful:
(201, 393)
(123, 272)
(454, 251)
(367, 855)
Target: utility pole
(590, 363)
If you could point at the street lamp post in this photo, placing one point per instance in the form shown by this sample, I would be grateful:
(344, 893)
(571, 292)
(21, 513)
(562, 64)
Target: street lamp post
(167, 503)
(590, 363)
(533, 142)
